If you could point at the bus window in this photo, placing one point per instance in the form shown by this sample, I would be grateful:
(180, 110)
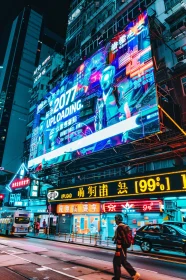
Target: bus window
(22, 220)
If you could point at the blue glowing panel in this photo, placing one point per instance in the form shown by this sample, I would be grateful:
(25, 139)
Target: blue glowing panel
(109, 100)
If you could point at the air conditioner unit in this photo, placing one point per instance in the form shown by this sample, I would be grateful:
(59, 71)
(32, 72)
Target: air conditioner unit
(179, 51)
(180, 64)
(170, 205)
(180, 27)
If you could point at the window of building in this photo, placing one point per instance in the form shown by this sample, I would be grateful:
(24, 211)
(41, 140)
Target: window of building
(170, 4)
(183, 82)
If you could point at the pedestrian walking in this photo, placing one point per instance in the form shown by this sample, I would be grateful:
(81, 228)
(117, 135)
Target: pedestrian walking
(123, 241)
(44, 223)
(34, 227)
(37, 227)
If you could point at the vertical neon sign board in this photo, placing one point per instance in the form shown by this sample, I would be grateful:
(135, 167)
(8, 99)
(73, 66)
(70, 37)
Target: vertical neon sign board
(109, 100)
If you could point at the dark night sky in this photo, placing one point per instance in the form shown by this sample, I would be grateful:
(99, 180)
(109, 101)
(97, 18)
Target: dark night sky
(55, 14)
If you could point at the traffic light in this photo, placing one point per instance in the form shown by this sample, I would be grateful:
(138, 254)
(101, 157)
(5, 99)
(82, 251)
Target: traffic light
(1, 200)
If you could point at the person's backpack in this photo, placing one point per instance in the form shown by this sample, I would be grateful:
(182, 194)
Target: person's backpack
(128, 235)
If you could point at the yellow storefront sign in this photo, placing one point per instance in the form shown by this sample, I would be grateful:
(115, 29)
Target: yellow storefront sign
(78, 208)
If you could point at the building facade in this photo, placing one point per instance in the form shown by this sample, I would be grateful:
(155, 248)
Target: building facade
(144, 179)
(29, 43)
(93, 23)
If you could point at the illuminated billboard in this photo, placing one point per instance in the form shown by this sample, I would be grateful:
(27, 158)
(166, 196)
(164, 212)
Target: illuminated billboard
(109, 100)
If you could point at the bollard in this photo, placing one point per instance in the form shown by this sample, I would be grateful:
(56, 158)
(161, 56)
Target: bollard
(95, 238)
(83, 238)
(72, 236)
(100, 240)
(65, 236)
(90, 238)
(107, 241)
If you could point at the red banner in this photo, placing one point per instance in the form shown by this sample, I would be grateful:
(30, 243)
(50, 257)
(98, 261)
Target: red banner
(133, 206)
(20, 183)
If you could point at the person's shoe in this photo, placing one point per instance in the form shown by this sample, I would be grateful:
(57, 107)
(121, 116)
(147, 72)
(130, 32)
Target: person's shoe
(136, 276)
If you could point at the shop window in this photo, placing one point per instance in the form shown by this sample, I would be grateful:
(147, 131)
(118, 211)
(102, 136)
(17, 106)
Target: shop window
(183, 83)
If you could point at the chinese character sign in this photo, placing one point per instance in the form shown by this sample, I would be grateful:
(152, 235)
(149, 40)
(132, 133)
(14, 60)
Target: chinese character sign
(147, 186)
(78, 208)
(20, 183)
(133, 206)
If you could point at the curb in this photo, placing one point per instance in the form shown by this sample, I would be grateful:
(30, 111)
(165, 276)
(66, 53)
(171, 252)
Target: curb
(168, 257)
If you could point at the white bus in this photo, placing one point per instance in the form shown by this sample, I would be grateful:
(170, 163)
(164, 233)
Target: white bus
(14, 222)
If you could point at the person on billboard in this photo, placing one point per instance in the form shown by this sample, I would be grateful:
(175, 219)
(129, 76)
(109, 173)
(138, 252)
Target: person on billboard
(111, 107)
(107, 106)
(40, 141)
(122, 239)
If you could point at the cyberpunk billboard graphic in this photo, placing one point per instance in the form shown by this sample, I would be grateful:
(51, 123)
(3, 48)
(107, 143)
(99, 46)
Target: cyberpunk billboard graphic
(109, 100)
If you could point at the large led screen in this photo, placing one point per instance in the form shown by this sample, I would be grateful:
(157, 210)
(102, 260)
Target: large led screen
(109, 100)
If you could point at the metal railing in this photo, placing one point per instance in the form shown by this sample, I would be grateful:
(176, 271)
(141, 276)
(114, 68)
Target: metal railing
(91, 239)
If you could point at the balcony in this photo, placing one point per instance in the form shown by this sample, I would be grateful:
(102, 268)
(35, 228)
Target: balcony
(178, 28)
(180, 67)
(70, 36)
(105, 5)
(169, 4)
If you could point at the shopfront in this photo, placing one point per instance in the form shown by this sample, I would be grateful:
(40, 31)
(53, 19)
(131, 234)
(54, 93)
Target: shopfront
(136, 213)
(152, 198)
(80, 218)
(38, 213)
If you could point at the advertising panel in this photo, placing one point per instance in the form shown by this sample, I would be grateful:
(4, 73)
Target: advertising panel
(133, 206)
(78, 208)
(109, 100)
(142, 186)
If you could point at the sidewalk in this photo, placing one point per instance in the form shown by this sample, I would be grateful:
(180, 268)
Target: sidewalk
(97, 242)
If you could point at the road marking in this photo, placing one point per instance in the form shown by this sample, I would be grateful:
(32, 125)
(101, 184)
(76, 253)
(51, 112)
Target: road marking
(12, 251)
(137, 268)
(145, 257)
(47, 268)
(16, 256)
(62, 273)
(159, 259)
(42, 268)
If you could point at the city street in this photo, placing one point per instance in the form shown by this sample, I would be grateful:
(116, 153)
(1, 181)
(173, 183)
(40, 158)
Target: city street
(27, 258)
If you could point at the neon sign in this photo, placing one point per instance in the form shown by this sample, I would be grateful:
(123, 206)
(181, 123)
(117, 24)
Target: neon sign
(20, 183)
(78, 208)
(133, 206)
(2, 196)
(149, 185)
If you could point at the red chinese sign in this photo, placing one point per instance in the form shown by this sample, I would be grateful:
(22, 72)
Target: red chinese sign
(20, 183)
(133, 206)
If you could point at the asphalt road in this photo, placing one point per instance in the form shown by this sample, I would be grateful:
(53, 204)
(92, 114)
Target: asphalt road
(28, 258)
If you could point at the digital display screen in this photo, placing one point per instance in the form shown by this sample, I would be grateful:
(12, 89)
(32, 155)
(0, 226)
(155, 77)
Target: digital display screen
(128, 187)
(108, 101)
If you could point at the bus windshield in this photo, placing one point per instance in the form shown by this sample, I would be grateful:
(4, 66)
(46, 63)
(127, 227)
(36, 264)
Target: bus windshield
(22, 220)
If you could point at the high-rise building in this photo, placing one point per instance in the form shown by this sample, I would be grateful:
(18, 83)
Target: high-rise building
(29, 43)
(44, 79)
(115, 114)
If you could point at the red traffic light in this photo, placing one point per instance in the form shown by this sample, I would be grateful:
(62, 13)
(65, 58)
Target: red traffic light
(2, 196)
